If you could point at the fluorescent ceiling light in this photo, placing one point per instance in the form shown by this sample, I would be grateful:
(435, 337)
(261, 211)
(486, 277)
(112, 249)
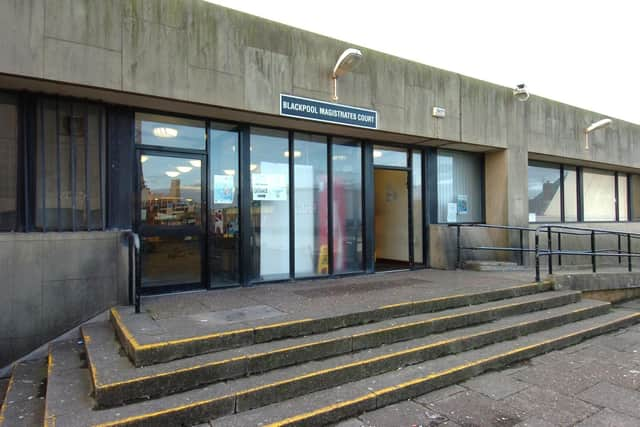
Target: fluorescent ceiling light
(172, 174)
(296, 153)
(230, 172)
(184, 169)
(163, 132)
(143, 158)
(196, 163)
(253, 166)
(377, 154)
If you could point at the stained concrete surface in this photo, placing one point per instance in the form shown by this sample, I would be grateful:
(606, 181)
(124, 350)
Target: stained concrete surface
(596, 383)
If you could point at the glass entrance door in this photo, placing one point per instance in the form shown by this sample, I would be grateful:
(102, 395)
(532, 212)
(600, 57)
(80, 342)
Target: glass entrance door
(170, 219)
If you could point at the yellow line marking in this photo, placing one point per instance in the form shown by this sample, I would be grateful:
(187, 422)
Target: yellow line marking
(102, 387)
(434, 375)
(379, 392)
(5, 402)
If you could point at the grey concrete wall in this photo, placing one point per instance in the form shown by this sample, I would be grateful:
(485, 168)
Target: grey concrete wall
(51, 282)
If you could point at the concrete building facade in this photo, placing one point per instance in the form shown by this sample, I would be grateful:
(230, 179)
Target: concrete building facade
(116, 115)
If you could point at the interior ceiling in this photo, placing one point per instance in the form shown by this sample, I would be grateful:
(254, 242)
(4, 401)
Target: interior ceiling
(213, 112)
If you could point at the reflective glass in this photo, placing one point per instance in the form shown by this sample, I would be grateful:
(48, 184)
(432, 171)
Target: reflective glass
(459, 186)
(347, 205)
(416, 172)
(598, 195)
(224, 218)
(622, 197)
(570, 194)
(544, 192)
(167, 131)
(8, 161)
(389, 156)
(269, 204)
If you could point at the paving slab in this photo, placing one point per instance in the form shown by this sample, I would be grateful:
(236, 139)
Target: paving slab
(405, 414)
(609, 418)
(561, 377)
(474, 409)
(495, 385)
(551, 406)
(439, 394)
(614, 397)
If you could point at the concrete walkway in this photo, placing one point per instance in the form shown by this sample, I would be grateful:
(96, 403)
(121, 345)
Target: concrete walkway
(196, 313)
(596, 383)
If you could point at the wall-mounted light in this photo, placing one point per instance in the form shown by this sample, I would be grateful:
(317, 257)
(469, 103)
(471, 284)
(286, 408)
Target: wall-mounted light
(195, 163)
(172, 174)
(164, 132)
(349, 59)
(184, 169)
(594, 126)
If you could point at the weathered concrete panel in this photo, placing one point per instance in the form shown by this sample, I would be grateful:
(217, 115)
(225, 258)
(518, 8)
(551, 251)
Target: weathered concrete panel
(154, 59)
(78, 63)
(484, 112)
(95, 22)
(172, 13)
(216, 87)
(21, 37)
(267, 74)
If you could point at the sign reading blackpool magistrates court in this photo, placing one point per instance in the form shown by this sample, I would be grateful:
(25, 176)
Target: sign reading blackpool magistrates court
(311, 109)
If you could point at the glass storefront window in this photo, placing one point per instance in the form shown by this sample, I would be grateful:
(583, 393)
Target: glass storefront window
(311, 205)
(634, 181)
(172, 132)
(416, 172)
(544, 193)
(598, 195)
(460, 177)
(389, 156)
(570, 194)
(224, 218)
(269, 204)
(347, 205)
(623, 210)
(8, 161)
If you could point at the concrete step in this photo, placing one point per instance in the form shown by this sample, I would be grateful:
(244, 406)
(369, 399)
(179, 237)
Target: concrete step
(246, 393)
(147, 350)
(116, 380)
(493, 266)
(23, 403)
(332, 405)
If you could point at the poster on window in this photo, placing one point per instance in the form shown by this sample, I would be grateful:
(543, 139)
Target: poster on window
(463, 204)
(267, 186)
(223, 189)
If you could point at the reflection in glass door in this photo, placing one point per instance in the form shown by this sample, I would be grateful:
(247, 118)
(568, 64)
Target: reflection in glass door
(170, 221)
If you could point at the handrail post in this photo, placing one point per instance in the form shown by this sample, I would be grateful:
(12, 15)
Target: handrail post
(537, 252)
(593, 251)
(458, 266)
(521, 248)
(559, 248)
(619, 250)
(629, 251)
(550, 262)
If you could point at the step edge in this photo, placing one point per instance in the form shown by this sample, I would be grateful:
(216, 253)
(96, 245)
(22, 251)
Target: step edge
(582, 334)
(132, 347)
(452, 341)
(99, 386)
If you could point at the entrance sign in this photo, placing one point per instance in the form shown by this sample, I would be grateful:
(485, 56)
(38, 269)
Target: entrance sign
(311, 109)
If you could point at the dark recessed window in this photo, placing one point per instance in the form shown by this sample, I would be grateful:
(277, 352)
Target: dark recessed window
(8, 161)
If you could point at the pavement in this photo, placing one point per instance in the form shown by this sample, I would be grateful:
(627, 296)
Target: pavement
(596, 383)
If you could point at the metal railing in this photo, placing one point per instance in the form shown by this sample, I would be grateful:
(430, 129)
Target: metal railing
(550, 230)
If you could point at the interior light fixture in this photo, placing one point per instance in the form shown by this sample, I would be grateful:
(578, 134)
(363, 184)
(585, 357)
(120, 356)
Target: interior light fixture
(594, 126)
(184, 169)
(172, 174)
(347, 61)
(339, 157)
(296, 153)
(377, 154)
(230, 172)
(164, 132)
(143, 158)
(195, 163)
(253, 166)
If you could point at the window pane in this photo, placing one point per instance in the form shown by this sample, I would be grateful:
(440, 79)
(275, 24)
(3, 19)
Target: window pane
(70, 159)
(416, 171)
(347, 206)
(635, 197)
(311, 205)
(8, 161)
(224, 219)
(388, 156)
(270, 204)
(570, 194)
(544, 192)
(167, 131)
(459, 186)
(599, 195)
(622, 197)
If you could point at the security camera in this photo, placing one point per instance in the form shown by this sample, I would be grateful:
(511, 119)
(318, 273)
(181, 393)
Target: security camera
(520, 92)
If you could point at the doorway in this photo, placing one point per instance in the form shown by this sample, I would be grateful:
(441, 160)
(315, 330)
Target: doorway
(392, 225)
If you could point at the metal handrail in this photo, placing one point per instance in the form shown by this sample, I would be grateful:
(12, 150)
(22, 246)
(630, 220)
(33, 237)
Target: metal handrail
(133, 240)
(550, 230)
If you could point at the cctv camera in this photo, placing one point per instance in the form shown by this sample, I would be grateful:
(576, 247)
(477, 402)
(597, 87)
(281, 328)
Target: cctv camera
(520, 92)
